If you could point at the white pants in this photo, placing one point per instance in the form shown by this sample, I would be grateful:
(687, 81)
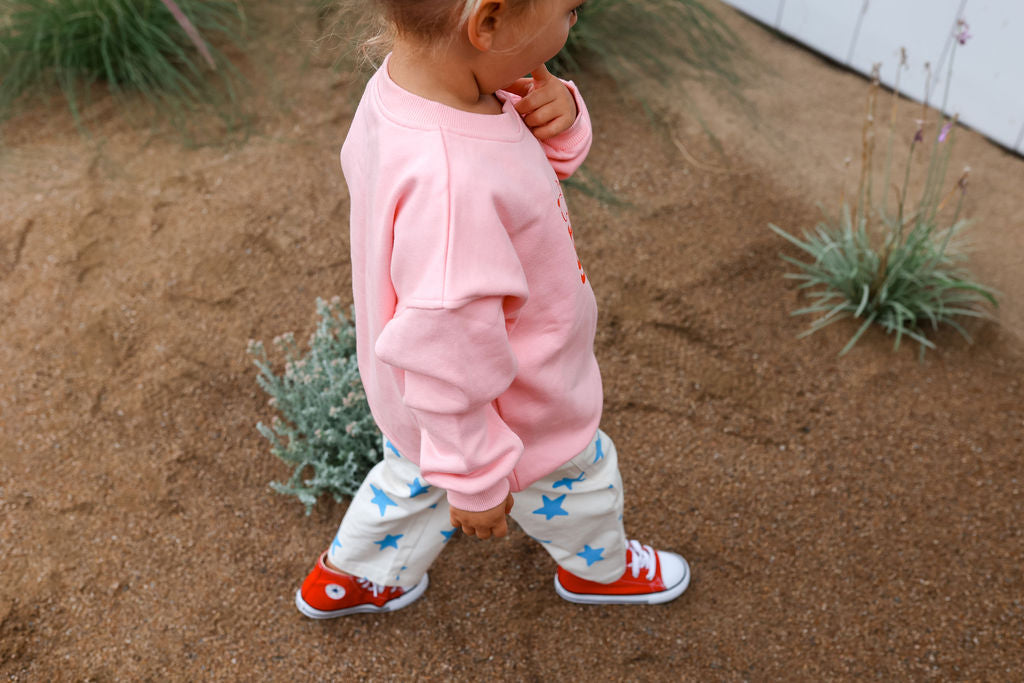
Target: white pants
(397, 525)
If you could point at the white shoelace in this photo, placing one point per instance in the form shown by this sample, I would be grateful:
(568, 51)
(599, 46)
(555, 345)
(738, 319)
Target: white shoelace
(643, 557)
(371, 586)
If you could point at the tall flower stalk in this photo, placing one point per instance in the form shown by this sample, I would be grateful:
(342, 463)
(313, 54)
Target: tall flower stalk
(912, 277)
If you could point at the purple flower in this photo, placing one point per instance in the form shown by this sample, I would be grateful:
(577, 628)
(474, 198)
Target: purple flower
(944, 133)
(962, 34)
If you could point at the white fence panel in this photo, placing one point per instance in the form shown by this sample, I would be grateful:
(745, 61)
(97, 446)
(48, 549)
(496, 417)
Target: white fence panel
(828, 27)
(987, 88)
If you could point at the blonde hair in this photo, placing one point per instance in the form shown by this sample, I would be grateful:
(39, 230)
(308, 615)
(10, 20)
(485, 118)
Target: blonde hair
(374, 24)
(468, 10)
(433, 19)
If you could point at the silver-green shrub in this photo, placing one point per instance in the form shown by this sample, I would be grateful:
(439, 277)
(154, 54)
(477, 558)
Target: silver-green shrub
(327, 433)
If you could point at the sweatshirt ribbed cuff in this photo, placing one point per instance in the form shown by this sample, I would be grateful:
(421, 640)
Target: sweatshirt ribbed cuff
(478, 502)
(576, 134)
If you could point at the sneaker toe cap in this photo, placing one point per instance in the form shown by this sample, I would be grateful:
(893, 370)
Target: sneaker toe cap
(674, 569)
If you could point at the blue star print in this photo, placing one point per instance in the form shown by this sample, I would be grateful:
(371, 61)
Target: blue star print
(448, 534)
(552, 507)
(600, 451)
(389, 541)
(391, 447)
(567, 482)
(381, 500)
(416, 488)
(591, 555)
(336, 543)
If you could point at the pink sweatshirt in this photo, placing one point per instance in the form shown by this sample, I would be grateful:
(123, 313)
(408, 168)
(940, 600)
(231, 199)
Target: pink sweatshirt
(475, 318)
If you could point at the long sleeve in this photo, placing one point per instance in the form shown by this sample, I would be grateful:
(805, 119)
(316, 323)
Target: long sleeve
(456, 362)
(567, 151)
(460, 286)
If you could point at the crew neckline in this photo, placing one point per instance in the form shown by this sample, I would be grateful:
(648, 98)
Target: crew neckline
(420, 112)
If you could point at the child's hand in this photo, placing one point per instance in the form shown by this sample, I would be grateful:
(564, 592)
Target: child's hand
(483, 524)
(547, 107)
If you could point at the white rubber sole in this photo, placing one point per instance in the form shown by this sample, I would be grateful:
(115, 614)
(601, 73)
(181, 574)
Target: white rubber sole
(404, 600)
(667, 595)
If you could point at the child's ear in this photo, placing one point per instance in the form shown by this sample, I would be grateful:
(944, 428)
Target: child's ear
(483, 23)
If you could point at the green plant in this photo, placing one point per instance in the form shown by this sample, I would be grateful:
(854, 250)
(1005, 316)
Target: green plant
(632, 39)
(152, 47)
(915, 277)
(639, 42)
(328, 432)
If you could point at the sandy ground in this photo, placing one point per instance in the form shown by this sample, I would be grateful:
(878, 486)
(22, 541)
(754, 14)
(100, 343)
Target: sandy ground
(845, 518)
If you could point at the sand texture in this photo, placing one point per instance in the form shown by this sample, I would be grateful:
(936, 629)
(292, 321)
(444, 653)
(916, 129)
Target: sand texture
(845, 518)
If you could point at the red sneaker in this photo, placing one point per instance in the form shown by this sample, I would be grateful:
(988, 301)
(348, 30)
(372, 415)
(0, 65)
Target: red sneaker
(666, 577)
(325, 594)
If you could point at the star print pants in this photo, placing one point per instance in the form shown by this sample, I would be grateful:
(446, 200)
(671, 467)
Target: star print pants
(397, 524)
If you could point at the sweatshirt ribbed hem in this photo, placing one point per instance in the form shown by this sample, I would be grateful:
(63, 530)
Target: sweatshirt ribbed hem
(480, 501)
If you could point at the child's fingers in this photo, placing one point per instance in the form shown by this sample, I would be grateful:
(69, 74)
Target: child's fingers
(542, 94)
(544, 115)
(498, 530)
(522, 87)
(541, 74)
(550, 129)
(536, 99)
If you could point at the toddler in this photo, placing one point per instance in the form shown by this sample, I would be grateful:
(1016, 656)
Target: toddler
(475, 318)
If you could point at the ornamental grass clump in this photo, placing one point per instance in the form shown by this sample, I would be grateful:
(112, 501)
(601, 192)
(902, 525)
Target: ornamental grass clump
(639, 42)
(327, 433)
(888, 262)
(160, 49)
(635, 39)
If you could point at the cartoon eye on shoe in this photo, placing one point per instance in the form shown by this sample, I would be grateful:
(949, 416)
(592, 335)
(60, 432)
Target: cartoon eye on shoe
(334, 591)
